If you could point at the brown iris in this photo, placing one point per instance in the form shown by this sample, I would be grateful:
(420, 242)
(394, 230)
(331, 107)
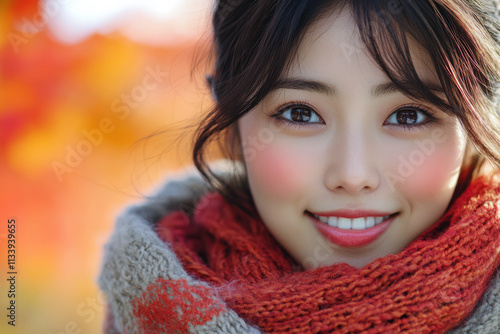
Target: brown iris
(301, 114)
(407, 117)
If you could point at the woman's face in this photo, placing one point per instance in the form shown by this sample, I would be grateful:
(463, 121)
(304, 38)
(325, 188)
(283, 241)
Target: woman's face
(342, 166)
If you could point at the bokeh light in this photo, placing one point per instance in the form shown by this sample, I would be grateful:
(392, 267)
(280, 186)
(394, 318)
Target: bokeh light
(82, 83)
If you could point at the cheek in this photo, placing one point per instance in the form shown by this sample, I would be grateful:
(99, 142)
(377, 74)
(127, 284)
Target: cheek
(430, 172)
(278, 172)
(432, 178)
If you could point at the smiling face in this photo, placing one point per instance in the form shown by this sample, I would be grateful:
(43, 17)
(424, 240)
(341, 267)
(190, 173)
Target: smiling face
(342, 166)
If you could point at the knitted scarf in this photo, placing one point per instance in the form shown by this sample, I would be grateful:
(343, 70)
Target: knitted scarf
(219, 271)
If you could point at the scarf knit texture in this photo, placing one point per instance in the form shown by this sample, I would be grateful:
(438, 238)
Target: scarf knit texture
(217, 270)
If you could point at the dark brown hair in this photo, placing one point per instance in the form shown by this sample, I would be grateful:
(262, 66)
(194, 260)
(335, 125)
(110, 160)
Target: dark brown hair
(255, 41)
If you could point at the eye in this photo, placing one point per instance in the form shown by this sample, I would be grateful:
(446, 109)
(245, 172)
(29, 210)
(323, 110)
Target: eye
(301, 115)
(298, 115)
(411, 116)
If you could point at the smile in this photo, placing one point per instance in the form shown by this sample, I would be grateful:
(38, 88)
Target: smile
(351, 224)
(356, 231)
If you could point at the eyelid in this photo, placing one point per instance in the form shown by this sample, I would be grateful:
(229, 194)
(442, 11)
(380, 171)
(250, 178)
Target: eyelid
(284, 107)
(419, 106)
(298, 125)
(426, 111)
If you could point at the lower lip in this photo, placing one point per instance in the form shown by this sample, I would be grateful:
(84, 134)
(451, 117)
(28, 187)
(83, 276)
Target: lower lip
(352, 238)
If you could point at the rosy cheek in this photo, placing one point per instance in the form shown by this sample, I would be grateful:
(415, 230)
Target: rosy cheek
(426, 176)
(278, 171)
(431, 179)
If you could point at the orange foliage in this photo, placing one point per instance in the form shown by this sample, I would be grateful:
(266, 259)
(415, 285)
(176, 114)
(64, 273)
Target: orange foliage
(96, 98)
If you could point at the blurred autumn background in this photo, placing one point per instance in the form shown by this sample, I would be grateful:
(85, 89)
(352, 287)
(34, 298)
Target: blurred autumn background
(81, 83)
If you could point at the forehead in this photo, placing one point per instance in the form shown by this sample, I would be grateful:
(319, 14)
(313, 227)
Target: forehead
(334, 41)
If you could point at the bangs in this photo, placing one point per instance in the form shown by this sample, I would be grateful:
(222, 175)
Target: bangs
(389, 28)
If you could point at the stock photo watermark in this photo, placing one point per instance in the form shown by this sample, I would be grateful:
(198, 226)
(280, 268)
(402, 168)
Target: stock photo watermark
(408, 164)
(11, 273)
(321, 253)
(252, 145)
(122, 107)
(29, 27)
(87, 312)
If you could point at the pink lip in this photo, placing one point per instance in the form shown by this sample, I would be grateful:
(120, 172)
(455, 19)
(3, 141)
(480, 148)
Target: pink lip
(353, 213)
(352, 238)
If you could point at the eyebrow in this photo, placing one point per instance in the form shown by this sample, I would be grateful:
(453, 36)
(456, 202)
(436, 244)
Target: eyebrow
(324, 88)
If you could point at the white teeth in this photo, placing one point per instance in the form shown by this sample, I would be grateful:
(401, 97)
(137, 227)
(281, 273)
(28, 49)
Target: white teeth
(355, 224)
(358, 224)
(333, 221)
(345, 223)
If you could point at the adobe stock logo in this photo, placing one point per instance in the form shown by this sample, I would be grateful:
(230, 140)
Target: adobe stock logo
(122, 108)
(322, 252)
(408, 164)
(28, 28)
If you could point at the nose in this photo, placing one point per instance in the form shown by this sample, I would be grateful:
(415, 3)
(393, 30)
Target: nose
(352, 165)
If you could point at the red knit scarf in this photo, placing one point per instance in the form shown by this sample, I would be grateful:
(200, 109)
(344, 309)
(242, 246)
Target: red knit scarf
(431, 286)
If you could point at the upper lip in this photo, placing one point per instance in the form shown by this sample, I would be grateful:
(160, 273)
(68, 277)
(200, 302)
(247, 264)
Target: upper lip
(359, 213)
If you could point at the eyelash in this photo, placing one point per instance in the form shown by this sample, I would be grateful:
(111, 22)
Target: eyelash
(428, 113)
(292, 124)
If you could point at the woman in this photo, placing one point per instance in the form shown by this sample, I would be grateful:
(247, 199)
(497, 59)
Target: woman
(364, 192)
